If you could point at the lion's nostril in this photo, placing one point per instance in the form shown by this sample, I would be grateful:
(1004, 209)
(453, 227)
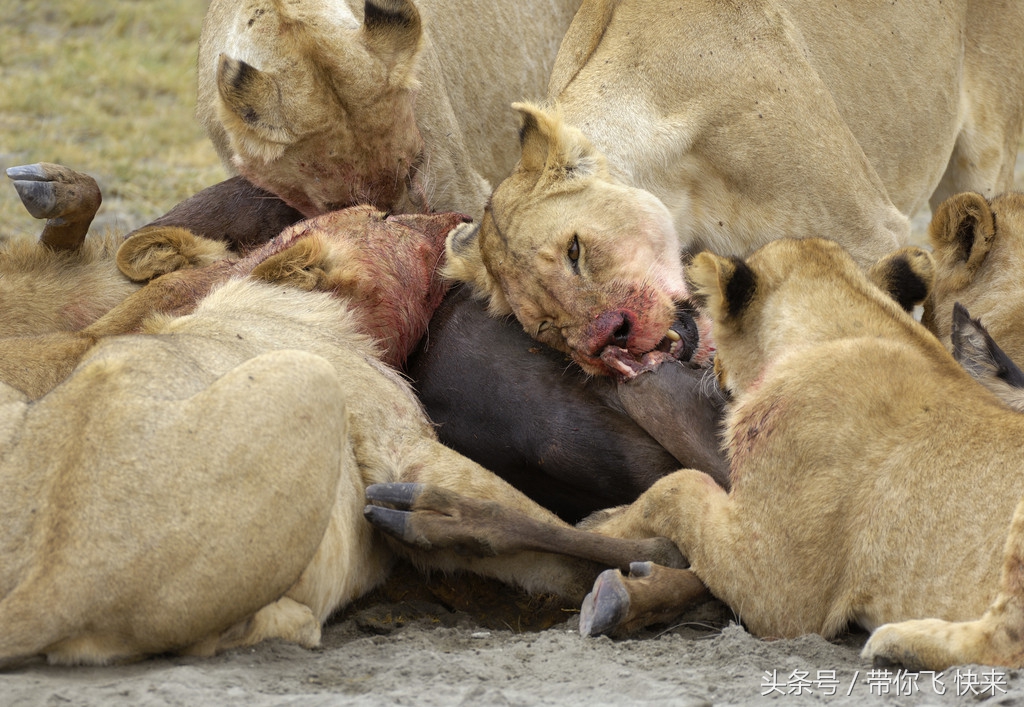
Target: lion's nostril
(621, 334)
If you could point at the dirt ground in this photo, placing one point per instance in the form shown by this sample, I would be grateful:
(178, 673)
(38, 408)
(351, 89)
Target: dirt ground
(412, 652)
(421, 654)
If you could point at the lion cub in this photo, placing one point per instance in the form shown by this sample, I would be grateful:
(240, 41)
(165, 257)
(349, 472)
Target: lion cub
(979, 254)
(873, 480)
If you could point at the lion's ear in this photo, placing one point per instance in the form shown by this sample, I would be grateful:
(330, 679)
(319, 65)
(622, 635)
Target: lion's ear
(158, 250)
(978, 352)
(907, 275)
(727, 284)
(961, 232)
(254, 98)
(548, 144)
(465, 263)
(393, 32)
(303, 265)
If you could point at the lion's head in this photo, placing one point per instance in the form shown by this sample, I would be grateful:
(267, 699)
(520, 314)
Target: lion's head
(589, 265)
(318, 112)
(794, 294)
(979, 252)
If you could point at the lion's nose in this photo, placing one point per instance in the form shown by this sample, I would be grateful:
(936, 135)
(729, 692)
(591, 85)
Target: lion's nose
(610, 329)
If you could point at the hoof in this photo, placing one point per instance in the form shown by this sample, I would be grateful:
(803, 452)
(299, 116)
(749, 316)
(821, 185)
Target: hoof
(606, 606)
(52, 191)
(402, 495)
(28, 172)
(39, 198)
(390, 521)
(641, 569)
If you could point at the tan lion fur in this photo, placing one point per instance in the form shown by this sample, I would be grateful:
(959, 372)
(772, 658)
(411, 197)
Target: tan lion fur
(203, 484)
(979, 253)
(873, 480)
(749, 122)
(152, 251)
(406, 111)
(67, 279)
(45, 290)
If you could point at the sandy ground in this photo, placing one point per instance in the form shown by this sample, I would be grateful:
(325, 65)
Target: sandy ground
(422, 654)
(415, 653)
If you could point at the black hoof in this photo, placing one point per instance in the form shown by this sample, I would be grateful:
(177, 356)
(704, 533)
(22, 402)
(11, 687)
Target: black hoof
(606, 606)
(399, 494)
(388, 520)
(28, 173)
(39, 198)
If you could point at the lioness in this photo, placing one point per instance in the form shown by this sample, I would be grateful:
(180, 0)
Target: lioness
(859, 449)
(404, 105)
(199, 484)
(674, 127)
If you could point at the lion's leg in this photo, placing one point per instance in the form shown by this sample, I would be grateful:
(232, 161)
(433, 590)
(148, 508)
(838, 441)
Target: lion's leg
(983, 158)
(200, 524)
(351, 560)
(735, 554)
(994, 639)
(67, 199)
(286, 619)
(687, 506)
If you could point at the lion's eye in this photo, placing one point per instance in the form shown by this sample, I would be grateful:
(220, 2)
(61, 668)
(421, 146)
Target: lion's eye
(574, 251)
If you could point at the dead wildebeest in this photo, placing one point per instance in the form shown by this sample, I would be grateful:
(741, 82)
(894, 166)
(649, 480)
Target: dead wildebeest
(573, 443)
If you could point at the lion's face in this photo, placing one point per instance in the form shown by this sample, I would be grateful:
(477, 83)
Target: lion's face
(588, 265)
(327, 118)
(346, 160)
(797, 293)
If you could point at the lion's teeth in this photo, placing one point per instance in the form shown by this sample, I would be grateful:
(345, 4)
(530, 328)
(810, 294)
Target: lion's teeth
(673, 335)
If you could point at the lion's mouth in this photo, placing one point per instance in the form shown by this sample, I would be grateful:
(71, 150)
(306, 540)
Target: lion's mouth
(680, 343)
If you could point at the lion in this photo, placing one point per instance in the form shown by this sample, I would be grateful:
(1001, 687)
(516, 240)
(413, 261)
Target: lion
(978, 244)
(199, 482)
(858, 448)
(398, 104)
(846, 412)
(669, 129)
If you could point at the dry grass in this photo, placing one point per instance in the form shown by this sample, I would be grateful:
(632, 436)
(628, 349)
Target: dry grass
(107, 88)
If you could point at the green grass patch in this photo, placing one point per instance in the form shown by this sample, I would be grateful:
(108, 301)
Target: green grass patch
(107, 88)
